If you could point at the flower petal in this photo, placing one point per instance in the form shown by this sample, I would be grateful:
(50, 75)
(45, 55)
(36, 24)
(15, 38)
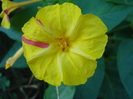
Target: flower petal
(50, 18)
(93, 46)
(5, 22)
(59, 18)
(75, 68)
(33, 51)
(88, 26)
(43, 62)
(33, 30)
(8, 6)
(85, 66)
(45, 67)
(69, 14)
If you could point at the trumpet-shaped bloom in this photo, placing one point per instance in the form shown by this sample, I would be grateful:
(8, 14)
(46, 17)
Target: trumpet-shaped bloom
(10, 61)
(8, 7)
(62, 45)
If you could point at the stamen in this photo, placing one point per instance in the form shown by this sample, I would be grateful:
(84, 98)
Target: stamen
(63, 44)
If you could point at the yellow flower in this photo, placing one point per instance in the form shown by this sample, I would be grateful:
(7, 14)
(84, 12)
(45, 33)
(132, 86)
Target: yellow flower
(8, 7)
(62, 45)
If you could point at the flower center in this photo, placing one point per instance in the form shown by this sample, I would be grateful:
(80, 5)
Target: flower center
(63, 44)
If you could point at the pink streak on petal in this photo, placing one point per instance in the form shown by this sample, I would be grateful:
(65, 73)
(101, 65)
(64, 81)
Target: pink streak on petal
(40, 23)
(6, 12)
(35, 43)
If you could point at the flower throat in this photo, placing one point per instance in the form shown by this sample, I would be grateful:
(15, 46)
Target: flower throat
(63, 44)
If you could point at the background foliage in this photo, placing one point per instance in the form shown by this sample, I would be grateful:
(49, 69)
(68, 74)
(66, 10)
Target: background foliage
(114, 75)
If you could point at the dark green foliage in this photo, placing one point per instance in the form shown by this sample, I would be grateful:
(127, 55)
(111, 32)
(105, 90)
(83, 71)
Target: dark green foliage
(125, 64)
(113, 78)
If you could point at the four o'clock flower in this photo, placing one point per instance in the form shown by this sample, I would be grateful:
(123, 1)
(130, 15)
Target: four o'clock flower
(8, 7)
(62, 45)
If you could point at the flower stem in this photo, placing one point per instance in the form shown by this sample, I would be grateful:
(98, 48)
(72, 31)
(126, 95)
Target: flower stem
(57, 91)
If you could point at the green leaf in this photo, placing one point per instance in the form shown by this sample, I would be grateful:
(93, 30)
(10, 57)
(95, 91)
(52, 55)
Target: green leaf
(4, 82)
(125, 65)
(115, 18)
(127, 2)
(12, 34)
(91, 88)
(65, 92)
(132, 26)
(112, 87)
(20, 63)
(110, 13)
(130, 16)
(49, 2)
(62, 1)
